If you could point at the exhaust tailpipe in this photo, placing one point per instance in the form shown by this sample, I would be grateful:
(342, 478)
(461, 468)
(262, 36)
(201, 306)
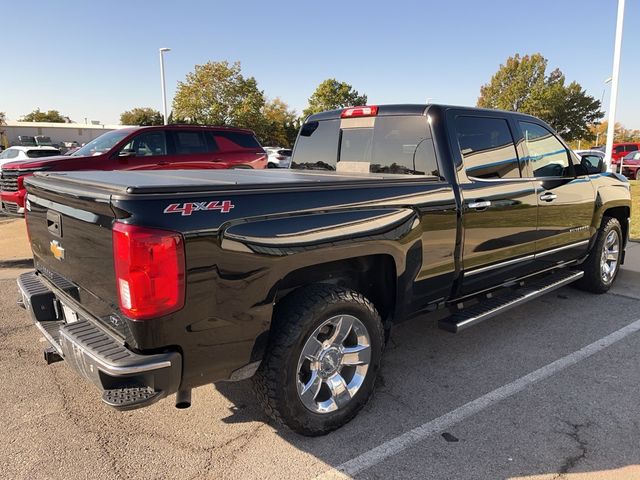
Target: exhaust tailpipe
(183, 399)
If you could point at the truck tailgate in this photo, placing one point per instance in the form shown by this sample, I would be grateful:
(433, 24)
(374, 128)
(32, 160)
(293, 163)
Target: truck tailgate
(72, 247)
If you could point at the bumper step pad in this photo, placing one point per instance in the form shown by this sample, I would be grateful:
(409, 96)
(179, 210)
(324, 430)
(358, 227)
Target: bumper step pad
(500, 303)
(130, 398)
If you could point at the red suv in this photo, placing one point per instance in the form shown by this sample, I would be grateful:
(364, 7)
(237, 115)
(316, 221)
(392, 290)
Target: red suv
(166, 147)
(621, 149)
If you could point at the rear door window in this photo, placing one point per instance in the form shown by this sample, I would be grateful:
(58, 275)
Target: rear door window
(631, 148)
(487, 147)
(191, 142)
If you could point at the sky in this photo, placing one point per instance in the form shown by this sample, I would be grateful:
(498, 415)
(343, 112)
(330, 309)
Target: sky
(95, 60)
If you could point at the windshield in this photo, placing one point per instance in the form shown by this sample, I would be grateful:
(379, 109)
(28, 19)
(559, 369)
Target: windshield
(101, 144)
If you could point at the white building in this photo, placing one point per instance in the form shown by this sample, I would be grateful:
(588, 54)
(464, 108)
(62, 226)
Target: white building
(58, 132)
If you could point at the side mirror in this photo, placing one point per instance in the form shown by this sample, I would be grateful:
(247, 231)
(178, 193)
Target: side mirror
(602, 166)
(126, 153)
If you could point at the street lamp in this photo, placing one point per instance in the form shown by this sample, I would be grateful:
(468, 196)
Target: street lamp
(614, 85)
(162, 84)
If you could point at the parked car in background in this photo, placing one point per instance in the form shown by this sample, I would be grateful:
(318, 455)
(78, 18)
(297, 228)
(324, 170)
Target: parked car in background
(27, 140)
(591, 160)
(13, 154)
(141, 148)
(278, 157)
(43, 140)
(631, 164)
(622, 149)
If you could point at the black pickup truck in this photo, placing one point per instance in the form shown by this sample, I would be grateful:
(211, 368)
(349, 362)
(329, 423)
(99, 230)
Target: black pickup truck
(153, 283)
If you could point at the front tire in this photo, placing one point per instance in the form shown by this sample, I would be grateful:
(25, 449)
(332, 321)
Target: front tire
(322, 359)
(602, 266)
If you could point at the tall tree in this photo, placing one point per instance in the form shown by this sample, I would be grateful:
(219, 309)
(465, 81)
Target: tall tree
(3, 118)
(332, 94)
(217, 93)
(522, 85)
(281, 124)
(49, 116)
(143, 116)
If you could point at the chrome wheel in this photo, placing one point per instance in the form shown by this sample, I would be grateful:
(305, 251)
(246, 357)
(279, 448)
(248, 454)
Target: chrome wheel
(610, 256)
(333, 364)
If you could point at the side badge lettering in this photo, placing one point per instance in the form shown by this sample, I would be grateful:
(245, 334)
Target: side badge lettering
(188, 208)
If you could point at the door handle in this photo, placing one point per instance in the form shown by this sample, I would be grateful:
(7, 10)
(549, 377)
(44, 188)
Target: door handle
(548, 197)
(479, 205)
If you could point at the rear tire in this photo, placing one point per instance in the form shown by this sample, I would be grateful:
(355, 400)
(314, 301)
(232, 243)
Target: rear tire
(603, 264)
(322, 360)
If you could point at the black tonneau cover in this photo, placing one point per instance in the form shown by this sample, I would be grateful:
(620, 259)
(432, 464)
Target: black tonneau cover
(123, 182)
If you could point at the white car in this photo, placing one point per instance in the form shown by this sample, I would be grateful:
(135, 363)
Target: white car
(278, 157)
(12, 154)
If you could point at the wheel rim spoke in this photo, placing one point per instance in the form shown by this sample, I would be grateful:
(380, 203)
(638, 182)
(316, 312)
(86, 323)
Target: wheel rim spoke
(339, 390)
(312, 348)
(342, 330)
(309, 391)
(359, 355)
(610, 255)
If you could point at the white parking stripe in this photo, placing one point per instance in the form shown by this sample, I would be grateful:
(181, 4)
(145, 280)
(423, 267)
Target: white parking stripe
(410, 438)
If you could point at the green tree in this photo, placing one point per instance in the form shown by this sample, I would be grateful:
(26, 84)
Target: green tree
(281, 124)
(49, 116)
(332, 94)
(143, 116)
(522, 85)
(217, 93)
(3, 118)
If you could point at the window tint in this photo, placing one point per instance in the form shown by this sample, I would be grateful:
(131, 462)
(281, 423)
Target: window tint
(547, 156)
(191, 142)
(317, 146)
(619, 149)
(631, 148)
(42, 153)
(147, 144)
(227, 141)
(487, 147)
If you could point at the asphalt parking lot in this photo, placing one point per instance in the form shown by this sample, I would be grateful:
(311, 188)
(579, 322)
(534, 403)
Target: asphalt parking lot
(547, 390)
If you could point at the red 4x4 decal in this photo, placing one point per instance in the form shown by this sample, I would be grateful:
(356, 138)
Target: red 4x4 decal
(188, 208)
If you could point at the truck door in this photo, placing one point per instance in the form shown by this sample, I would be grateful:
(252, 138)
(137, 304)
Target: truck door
(565, 196)
(499, 212)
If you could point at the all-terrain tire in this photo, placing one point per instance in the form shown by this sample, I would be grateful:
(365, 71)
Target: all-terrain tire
(296, 318)
(593, 280)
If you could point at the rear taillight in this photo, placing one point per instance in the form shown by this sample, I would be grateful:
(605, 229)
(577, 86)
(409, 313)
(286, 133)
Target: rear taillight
(150, 270)
(370, 111)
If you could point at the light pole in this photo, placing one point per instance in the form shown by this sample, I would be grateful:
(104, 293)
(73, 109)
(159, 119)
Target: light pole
(162, 84)
(614, 85)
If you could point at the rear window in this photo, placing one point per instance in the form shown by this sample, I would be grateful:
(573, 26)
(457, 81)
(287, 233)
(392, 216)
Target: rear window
(286, 153)
(386, 144)
(632, 148)
(42, 153)
(227, 141)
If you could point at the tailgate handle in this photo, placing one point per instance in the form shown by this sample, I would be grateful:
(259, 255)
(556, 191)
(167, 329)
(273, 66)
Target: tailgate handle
(54, 223)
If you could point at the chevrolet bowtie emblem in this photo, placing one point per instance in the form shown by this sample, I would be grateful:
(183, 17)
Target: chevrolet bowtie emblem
(56, 249)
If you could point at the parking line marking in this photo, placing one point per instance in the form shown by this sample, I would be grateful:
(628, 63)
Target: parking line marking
(397, 444)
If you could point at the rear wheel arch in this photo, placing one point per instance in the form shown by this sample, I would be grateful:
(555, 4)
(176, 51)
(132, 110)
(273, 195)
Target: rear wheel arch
(620, 213)
(373, 276)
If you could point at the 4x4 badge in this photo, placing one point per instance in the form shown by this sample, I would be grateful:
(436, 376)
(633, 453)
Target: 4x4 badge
(188, 208)
(56, 249)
